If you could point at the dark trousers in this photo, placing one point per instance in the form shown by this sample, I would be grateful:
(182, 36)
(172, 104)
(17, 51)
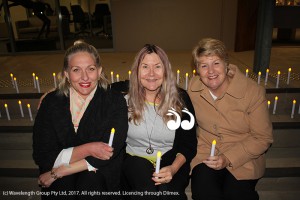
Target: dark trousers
(79, 186)
(207, 183)
(137, 180)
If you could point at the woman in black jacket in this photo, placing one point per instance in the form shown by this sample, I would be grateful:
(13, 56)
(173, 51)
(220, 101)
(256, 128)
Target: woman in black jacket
(72, 129)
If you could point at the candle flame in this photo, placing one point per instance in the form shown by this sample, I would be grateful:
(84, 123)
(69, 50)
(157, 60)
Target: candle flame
(278, 72)
(194, 71)
(112, 130)
(129, 72)
(178, 71)
(117, 75)
(5, 105)
(111, 72)
(259, 73)
(269, 102)
(37, 78)
(268, 70)
(214, 142)
(28, 105)
(290, 69)
(54, 74)
(294, 102)
(33, 74)
(247, 70)
(15, 78)
(276, 98)
(158, 154)
(19, 102)
(186, 74)
(11, 75)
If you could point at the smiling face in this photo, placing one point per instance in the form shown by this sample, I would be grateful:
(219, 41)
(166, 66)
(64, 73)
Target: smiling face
(212, 72)
(151, 73)
(83, 73)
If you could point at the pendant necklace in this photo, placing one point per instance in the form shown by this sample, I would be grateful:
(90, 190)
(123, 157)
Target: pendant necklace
(150, 149)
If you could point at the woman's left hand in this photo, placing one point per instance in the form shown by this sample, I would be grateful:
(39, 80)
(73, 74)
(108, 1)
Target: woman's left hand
(217, 162)
(45, 180)
(165, 175)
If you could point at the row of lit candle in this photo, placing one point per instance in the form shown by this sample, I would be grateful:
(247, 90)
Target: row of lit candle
(275, 107)
(267, 75)
(21, 111)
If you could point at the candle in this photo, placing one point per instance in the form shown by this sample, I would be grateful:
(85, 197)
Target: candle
(16, 84)
(7, 112)
(112, 76)
(38, 84)
(278, 76)
(178, 73)
(12, 80)
(213, 147)
(30, 113)
(21, 108)
(157, 165)
(275, 105)
(118, 77)
(289, 76)
(33, 77)
(194, 72)
(54, 80)
(293, 108)
(111, 137)
(247, 71)
(269, 103)
(186, 80)
(129, 73)
(267, 75)
(258, 79)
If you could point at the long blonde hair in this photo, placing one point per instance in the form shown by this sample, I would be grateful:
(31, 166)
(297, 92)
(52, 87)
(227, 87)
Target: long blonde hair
(168, 92)
(80, 46)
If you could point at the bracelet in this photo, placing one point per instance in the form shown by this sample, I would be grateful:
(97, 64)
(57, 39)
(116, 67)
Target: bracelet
(54, 175)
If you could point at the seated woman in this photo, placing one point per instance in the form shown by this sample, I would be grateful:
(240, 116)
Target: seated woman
(152, 93)
(73, 126)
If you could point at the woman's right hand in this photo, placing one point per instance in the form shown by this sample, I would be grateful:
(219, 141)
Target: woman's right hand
(100, 150)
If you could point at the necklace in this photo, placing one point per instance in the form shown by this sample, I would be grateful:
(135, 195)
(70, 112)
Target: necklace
(150, 149)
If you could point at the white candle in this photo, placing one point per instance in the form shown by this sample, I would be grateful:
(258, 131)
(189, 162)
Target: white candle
(7, 112)
(129, 74)
(34, 82)
(21, 108)
(269, 103)
(186, 80)
(38, 84)
(213, 147)
(247, 71)
(30, 113)
(258, 79)
(157, 165)
(118, 76)
(112, 76)
(267, 75)
(178, 73)
(293, 108)
(278, 76)
(289, 76)
(16, 84)
(194, 72)
(275, 105)
(111, 137)
(12, 80)
(54, 80)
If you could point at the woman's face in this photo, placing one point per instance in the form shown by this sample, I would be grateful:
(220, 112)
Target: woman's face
(213, 72)
(83, 73)
(151, 73)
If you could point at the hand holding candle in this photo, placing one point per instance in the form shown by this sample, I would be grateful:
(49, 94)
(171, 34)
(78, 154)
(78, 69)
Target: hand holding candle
(213, 147)
(157, 165)
(111, 137)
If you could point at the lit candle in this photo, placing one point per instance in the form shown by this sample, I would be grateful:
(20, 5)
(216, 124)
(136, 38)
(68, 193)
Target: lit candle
(30, 113)
(112, 76)
(157, 164)
(269, 103)
(54, 80)
(275, 105)
(7, 112)
(33, 77)
(194, 72)
(16, 84)
(247, 71)
(213, 147)
(38, 84)
(111, 137)
(129, 73)
(21, 108)
(178, 73)
(118, 77)
(289, 76)
(258, 79)
(267, 75)
(186, 80)
(12, 80)
(293, 108)
(278, 76)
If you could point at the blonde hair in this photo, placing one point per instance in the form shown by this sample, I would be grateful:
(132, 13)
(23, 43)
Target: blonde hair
(80, 46)
(168, 92)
